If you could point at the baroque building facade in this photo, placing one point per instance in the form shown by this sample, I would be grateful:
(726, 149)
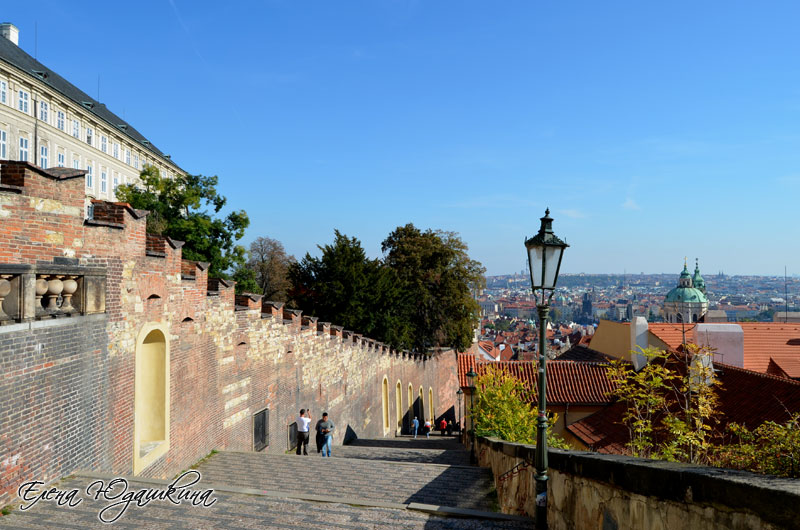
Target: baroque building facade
(49, 122)
(687, 302)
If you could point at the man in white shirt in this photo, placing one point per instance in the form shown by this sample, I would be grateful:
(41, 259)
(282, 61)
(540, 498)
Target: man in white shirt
(303, 421)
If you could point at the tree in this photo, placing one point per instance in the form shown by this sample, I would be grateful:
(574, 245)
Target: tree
(437, 279)
(177, 209)
(772, 448)
(345, 287)
(502, 408)
(267, 269)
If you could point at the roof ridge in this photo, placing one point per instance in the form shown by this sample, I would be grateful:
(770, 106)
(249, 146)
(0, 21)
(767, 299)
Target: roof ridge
(761, 374)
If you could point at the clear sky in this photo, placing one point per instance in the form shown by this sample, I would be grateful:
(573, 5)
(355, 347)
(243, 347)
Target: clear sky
(652, 130)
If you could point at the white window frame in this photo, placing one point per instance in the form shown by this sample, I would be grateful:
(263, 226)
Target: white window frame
(3, 144)
(44, 113)
(103, 181)
(44, 159)
(76, 163)
(136, 160)
(89, 176)
(62, 159)
(23, 148)
(128, 156)
(114, 182)
(115, 148)
(76, 129)
(24, 98)
(60, 119)
(89, 136)
(3, 92)
(104, 144)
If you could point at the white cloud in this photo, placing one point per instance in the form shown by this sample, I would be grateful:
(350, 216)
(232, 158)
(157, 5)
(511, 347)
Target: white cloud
(630, 204)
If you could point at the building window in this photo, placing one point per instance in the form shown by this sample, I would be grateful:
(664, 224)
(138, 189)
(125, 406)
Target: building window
(3, 145)
(76, 163)
(128, 156)
(60, 120)
(115, 182)
(43, 108)
(136, 161)
(103, 181)
(116, 150)
(23, 101)
(3, 91)
(89, 176)
(43, 156)
(89, 135)
(61, 160)
(104, 144)
(76, 129)
(23, 148)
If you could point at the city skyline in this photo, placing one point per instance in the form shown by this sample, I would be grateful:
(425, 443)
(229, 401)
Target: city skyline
(651, 132)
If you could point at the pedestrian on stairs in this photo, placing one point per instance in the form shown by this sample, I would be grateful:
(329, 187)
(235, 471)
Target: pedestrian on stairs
(303, 421)
(415, 425)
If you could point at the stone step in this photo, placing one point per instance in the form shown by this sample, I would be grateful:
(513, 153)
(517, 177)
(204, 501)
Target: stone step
(377, 480)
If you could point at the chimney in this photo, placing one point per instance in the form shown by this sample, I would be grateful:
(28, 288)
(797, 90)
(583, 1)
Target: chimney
(10, 31)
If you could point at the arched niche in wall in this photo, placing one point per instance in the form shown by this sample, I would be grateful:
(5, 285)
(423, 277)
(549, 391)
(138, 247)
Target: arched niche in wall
(431, 414)
(385, 403)
(151, 396)
(398, 397)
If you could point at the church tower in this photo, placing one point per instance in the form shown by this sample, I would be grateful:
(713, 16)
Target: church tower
(687, 302)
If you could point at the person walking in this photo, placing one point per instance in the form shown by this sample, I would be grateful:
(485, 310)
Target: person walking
(415, 426)
(303, 421)
(326, 428)
(427, 428)
(443, 426)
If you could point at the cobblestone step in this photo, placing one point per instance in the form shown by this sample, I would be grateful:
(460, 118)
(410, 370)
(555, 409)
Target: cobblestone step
(378, 480)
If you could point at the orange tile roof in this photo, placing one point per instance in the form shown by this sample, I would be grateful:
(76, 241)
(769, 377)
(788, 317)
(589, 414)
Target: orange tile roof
(771, 340)
(671, 334)
(576, 383)
(489, 348)
(745, 397)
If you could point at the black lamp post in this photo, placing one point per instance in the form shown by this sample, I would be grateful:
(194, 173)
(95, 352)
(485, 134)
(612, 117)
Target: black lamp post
(471, 375)
(459, 394)
(545, 251)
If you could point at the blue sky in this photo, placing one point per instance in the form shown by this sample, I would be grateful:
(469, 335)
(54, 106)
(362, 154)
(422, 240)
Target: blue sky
(653, 131)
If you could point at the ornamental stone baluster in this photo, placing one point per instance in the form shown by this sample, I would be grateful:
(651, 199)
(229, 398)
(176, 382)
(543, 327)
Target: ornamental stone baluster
(54, 288)
(41, 289)
(5, 289)
(70, 286)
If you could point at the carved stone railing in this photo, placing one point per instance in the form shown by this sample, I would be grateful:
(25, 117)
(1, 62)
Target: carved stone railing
(53, 290)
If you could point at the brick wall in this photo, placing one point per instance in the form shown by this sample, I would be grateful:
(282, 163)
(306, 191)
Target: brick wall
(229, 356)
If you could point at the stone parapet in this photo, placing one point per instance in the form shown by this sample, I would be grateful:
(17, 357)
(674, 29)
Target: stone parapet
(590, 490)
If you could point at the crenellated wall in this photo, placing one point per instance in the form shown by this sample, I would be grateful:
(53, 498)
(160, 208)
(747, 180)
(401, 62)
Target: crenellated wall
(82, 381)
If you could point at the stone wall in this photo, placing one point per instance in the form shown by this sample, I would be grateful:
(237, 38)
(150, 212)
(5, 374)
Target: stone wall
(71, 376)
(589, 490)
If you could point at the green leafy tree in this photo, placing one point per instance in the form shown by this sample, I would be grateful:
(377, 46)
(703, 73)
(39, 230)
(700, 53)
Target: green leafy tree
(503, 408)
(437, 279)
(772, 448)
(345, 287)
(185, 208)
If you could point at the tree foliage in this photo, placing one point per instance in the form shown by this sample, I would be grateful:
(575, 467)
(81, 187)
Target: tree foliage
(179, 208)
(418, 297)
(266, 270)
(438, 280)
(345, 287)
(503, 408)
(772, 448)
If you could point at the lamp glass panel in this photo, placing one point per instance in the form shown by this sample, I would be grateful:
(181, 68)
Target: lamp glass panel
(535, 263)
(552, 258)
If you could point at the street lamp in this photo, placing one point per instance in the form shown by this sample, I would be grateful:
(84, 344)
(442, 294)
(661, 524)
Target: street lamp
(459, 395)
(471, 375)
(545, 251)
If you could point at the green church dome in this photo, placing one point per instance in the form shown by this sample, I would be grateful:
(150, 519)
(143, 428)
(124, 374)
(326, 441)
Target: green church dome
(686, 294)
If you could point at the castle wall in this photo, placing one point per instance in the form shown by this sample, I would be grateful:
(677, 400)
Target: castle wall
(71, 377)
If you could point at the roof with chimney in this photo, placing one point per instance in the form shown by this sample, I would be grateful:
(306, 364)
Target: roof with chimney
(16, 56)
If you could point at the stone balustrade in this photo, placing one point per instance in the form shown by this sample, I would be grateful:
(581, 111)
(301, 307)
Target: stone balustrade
(54, 290)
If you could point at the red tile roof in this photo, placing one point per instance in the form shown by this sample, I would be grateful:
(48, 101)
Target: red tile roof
(771, 340)
(671, 334)
(576, 383)
(745, 397)
(489, 348)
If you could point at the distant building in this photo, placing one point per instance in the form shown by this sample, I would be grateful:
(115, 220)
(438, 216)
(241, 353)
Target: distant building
(687, 302)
